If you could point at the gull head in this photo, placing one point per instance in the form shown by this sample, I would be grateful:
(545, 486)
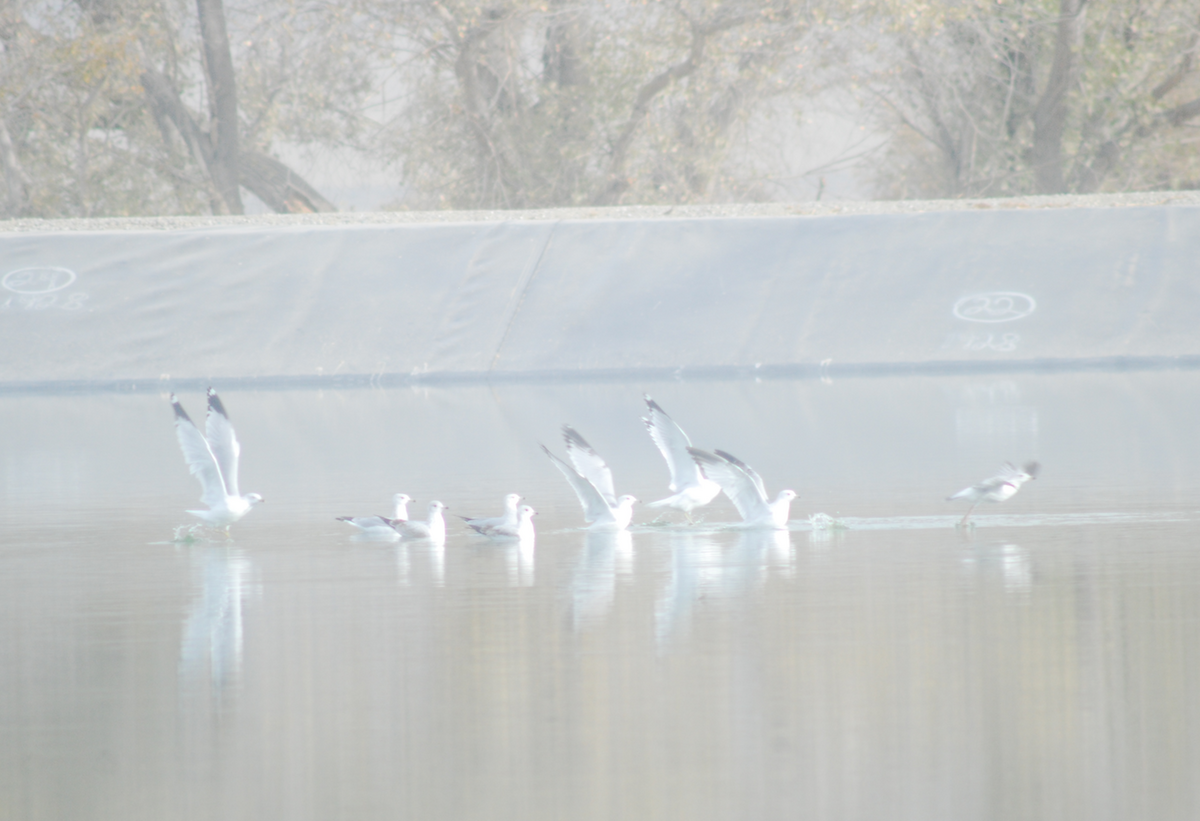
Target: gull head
(1032, 469)
(511, 500)
(628, 501)
(435, 508)
(527, 512)
(785, 495)
(253, 499)
(401, 498)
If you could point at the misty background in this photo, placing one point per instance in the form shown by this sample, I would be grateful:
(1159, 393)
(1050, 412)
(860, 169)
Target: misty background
(152, 107)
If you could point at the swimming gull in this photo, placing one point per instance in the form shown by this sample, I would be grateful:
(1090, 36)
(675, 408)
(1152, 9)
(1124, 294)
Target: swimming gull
(745, 489)
(592, 482)
(1003, 485)
(433, 528)
(691, 487)
(522, 528)
(378, 525)
(509, 519)
(212, 457)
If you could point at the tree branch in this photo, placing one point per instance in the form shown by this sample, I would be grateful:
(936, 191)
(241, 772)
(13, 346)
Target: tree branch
(282, 189)
(617, 183)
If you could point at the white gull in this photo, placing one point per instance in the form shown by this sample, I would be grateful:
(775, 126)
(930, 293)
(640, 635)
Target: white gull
(434, 528)
(691, 487)
(998, 488)
(378, 525)
(508, 520)
(592, 482)
(522, 528)
(212, 457)
(745, 489)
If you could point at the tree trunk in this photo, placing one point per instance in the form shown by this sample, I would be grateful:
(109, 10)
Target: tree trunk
(1050, 115)
(17, 182)
(222, 83)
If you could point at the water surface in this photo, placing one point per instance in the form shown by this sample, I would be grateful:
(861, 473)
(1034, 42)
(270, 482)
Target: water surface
(1044, 664)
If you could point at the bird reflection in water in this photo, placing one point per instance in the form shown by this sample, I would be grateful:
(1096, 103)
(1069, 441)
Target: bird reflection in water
(606, 553)
(1010, 561)
(702, 568)
(431, 553)
(518, 558)
(211, 647)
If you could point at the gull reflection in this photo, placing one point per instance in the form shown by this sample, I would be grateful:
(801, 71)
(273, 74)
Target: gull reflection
(594, 582)
(757, 552)
(431, 551)
(518, 556)
(212, 634)
(701, 567)
(1011, 560)
(1017, 569)
(692, 554)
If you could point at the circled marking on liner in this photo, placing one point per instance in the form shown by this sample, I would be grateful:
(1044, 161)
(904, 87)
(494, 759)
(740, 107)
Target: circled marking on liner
(997, 306)
(41, 280)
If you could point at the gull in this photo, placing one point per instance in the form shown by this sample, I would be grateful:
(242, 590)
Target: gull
(212, 457)
(1003, 485)
(379, 524)
(691, 487)
(745, 489)
(522, 528)
(593, 484)
(434, 528)
(509, 519)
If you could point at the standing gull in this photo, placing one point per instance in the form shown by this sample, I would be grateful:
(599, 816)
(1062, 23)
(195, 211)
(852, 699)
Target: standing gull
(592, 482)
(378, 525)
(745, 489)
(508, 520)
(1003, 485)
(434, 528)
(212, 457)
(691, 487)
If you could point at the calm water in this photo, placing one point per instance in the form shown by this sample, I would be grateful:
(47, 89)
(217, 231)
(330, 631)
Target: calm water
(1045, 664)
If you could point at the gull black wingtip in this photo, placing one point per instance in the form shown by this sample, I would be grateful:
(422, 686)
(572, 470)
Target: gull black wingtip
(180, 413)
(214, 403)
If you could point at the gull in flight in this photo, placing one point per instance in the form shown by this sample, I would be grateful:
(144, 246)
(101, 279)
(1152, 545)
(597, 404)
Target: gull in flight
(691, 487)
(1003, 485)
(434, 528)
(508, 520)
(592, 482)
(212, 457)
(378, 525)
(745, 489)
(522, 528)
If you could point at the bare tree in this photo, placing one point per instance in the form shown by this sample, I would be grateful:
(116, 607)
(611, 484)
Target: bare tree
(1033, 96)
(522, 104)
(98, 110)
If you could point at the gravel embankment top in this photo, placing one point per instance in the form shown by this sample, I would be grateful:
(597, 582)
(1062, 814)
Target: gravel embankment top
(782, 209)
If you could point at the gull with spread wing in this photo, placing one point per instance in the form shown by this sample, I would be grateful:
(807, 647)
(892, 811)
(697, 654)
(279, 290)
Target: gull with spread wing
(691, 487)
(998, 488)
(434, 528)
(212, 457)
(745, 489)
(508, 520)
(592, 482)
(378, 525)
